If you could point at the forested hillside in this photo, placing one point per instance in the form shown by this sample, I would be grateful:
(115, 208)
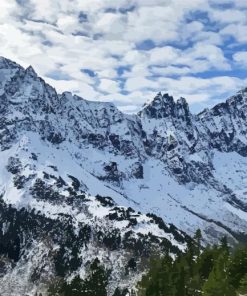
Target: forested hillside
(212, 271)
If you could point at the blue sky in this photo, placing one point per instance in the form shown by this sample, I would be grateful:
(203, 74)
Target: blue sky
(125, 51)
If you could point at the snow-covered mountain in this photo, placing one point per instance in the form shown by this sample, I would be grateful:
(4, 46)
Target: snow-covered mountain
(77, 172)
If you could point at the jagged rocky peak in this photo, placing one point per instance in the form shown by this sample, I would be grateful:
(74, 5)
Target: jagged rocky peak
(66, 97)
(235, 105)
(164, 105)
(182, 104)
(238, 101)
(243, 92)
(161, 106)
(8, 64)
(8, 69)
(182, 110)
(30, 71)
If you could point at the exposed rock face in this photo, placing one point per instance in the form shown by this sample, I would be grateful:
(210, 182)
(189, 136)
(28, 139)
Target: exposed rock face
(225, 124)
(60, 155)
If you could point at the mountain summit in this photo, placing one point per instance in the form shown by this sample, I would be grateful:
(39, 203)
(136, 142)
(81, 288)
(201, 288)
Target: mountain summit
(163, 106)
(93, 180)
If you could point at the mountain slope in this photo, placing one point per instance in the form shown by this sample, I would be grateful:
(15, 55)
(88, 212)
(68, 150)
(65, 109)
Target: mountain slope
(51, 218)
(74, 164)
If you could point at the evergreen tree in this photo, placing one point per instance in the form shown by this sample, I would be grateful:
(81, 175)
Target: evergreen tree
(56, 287)
(96, 283)
(218, 283)
(189, 258)
(198, 239)
(238, 266)
(243, 285)
(62, 288)
(150, 282)
(205, 262)
(178, 284)
(75, 288)
(119, 292)
(158, 281)
(224, 247)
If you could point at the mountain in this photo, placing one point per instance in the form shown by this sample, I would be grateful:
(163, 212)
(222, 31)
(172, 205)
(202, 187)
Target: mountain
(80, 179)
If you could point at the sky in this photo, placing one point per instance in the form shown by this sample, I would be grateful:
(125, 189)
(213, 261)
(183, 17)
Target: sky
(125, 51)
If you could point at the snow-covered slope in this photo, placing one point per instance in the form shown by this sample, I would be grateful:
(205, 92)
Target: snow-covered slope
(64, 159)
(44, 207)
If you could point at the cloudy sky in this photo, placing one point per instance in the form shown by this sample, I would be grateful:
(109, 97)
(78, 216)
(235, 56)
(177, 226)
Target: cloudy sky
(125, 51)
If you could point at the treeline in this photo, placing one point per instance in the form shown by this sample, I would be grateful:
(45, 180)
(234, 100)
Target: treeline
(212, 271)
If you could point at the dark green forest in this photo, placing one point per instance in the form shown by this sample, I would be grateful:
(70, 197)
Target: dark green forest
(211, 271)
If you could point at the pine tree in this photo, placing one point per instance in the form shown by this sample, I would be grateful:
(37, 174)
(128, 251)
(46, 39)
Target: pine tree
(178, 288)
(75, 288)
(189, 257)
(151, 282)
(238, 266)
(243, 286)
(198, 239)
(158, 280)
(224, 247)
(56, 287)
(205, 262)
(119, 292)
(218, 283)
(96, 283)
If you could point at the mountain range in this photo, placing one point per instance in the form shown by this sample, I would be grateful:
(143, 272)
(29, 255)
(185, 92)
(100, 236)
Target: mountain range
(80, 179)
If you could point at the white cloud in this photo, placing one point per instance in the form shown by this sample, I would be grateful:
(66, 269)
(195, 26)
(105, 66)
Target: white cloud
(201, 57)
(67, 23)
(108, 73)
(91, 6)
(7, 8)
(240, 3)
(213, 38)
(135, 57)
(111, 24)
(138, 70)
(140, 83)
(201, 89)
(158, 23)
(45, 10)
(241, 58)
(163, 55)
(211, 53)
(76, 87)
(237, 32)
(171, 70)
(228, 16)
(109, 86)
